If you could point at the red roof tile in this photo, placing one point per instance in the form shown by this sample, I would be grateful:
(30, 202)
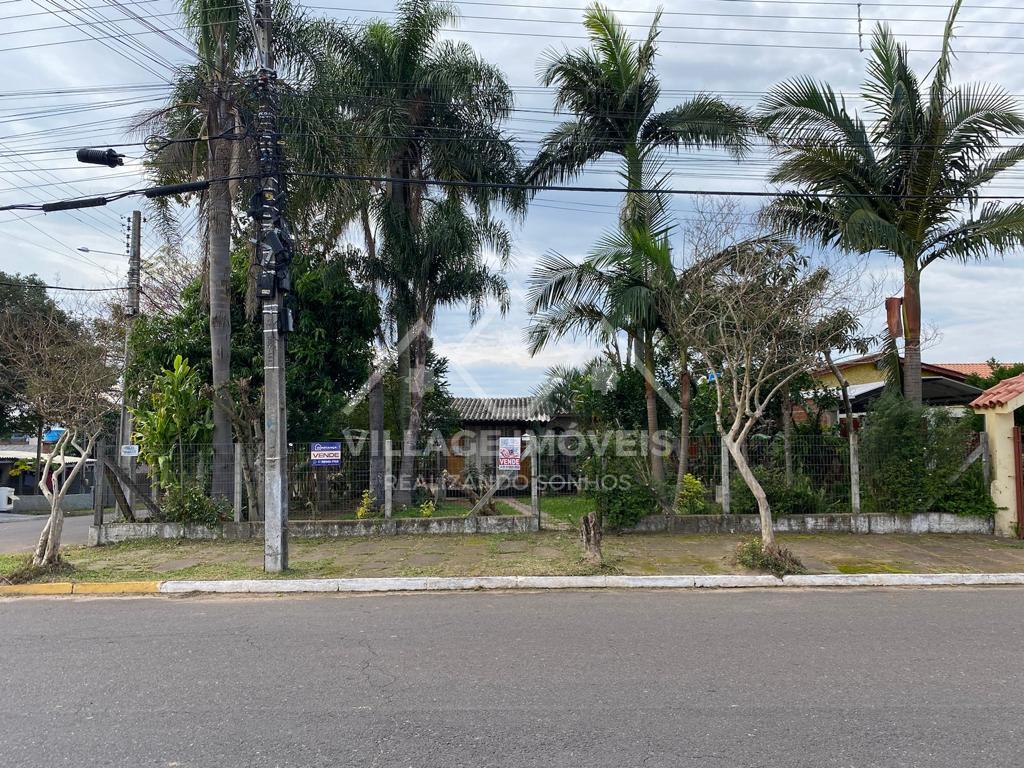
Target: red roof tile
(1001, 394)
(967, 369)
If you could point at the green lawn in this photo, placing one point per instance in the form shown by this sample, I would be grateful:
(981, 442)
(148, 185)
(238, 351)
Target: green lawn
(568, 509)
(544, 553)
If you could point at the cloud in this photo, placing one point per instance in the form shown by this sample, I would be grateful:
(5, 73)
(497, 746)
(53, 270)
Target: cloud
(977, 306)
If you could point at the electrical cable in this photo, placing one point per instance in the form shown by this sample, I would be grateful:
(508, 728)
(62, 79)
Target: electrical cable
(62, 287)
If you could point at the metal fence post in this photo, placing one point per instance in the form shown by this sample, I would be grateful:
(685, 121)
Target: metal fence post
(854, 470)
(238, 483)
(388, 479)
(98, 488)
(534, 474)
(726, 492)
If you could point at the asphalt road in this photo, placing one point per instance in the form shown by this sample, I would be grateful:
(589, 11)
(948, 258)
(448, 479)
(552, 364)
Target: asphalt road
(755, 678)
(21, 532)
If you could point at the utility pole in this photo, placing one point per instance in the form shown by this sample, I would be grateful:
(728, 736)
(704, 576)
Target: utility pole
(274, 250)
(131, 312)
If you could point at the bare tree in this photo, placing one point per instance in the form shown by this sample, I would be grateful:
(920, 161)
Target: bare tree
(68, 380)
(761, 314)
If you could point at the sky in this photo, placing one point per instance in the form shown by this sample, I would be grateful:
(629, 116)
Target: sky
(65, 90)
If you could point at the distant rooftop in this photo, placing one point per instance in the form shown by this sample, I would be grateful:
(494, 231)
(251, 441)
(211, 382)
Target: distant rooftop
(502, 409)
(955, 370)
(972, 369)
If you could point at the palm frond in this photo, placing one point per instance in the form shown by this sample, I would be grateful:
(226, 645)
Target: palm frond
(994, 230)
(703, 121)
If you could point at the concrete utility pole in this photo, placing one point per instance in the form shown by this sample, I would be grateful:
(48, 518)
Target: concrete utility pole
(131, 312)
(274, 249)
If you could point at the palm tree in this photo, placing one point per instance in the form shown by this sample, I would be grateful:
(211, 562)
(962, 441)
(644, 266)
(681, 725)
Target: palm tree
(612, 89)
(908, 183)
(429, 109)
(650, 287)
(204, 135)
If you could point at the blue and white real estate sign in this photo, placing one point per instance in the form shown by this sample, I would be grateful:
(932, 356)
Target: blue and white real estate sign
(325, 454)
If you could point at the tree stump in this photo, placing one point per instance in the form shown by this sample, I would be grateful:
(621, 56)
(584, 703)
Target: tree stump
(590, 534)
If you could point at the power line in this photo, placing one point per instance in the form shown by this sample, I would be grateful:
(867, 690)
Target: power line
(62, 287)
(126, 38)
(704, 27)
(637, 11)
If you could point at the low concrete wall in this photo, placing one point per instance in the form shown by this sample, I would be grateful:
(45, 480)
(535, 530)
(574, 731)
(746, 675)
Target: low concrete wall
(315, 529)
(925, 522)
(72, 502)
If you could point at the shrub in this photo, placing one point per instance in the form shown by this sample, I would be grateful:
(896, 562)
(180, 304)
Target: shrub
(427, 509)
(367, 505)
(189, 505)
(968, 497)
(800, 498)
(621, 495)
(691, 499)
(626, 506)
(777, 560)
(910, 457)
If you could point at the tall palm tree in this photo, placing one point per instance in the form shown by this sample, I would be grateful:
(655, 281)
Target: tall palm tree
(612, 89)
(429, 109)
(207, 121)
(447, 269)
(908, 182)
(652, 288)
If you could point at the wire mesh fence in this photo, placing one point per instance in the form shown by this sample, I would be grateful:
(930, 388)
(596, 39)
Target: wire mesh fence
(809, 473)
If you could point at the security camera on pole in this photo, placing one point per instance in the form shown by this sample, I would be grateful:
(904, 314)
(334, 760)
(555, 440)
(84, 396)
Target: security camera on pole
(274, 252)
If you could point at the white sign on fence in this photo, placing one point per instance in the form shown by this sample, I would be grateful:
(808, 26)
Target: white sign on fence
(510, 453)
(129, 451)
(325, 454)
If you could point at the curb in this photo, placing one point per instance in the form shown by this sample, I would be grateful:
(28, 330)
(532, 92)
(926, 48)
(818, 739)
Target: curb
(449, 584)
(456, 584)
(82, 588)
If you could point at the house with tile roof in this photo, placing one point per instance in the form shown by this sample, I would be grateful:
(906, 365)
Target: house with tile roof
(483, 420)
(942, 385)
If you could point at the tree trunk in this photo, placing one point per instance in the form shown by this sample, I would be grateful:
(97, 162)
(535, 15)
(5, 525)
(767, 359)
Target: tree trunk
(417, 386)
(684, 424)
(590, 535)
(376, 424)
(912, 386)
(763, 509)
(653, 447)
(47, 551)
(219, 259)
(787, 437)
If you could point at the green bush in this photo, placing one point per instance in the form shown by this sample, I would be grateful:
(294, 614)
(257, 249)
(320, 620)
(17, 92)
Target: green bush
(692, 497)
(621, 493)
(909, 457)
(775, 559)
(189, 505)
(968, 496)
(800, 498)
(623, 507)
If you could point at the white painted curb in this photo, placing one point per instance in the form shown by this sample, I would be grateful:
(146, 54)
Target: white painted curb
(447, 584)
(442, 584)
(903, 579)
